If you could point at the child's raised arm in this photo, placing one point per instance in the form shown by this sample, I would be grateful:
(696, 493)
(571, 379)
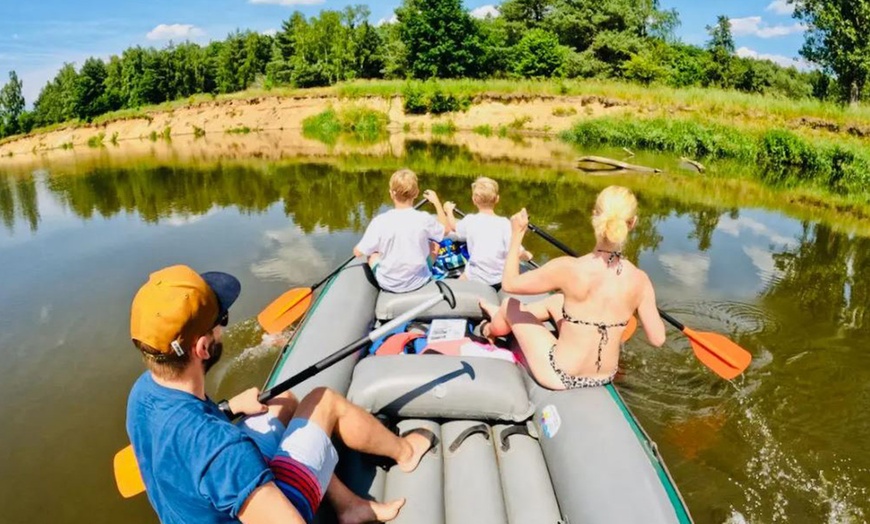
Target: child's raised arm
(432, 197)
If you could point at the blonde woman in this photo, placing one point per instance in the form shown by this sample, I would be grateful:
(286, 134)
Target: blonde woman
(596, 295)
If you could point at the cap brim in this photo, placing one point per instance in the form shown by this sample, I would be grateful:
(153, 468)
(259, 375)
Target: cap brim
(225, 286)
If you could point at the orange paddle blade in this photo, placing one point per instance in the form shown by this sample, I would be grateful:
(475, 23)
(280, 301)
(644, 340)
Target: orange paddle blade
(719, 353)
(127, 475)
(285, 310)
(629, 329)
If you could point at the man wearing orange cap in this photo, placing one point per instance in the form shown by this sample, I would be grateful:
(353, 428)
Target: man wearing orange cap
(199, 467)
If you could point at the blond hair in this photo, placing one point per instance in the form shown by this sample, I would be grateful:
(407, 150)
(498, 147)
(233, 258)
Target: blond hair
(615, 207)
(484, 192)
(403, 185)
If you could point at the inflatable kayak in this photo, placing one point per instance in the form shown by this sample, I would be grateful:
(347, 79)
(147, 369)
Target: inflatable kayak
(507, 450)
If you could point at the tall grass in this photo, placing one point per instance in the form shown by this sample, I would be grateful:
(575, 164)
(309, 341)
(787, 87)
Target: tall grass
(782, 157)
(358, 124)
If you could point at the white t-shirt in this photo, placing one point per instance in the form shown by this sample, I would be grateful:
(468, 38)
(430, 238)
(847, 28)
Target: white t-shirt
(488, 237)
(401, 236)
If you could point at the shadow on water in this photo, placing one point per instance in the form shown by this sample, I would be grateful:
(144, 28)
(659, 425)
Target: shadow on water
(784, 442)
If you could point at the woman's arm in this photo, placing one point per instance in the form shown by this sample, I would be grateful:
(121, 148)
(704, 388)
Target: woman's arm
(542, 280)
(649, 314)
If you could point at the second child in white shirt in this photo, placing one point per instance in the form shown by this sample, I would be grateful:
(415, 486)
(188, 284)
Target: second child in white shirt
(487, 234)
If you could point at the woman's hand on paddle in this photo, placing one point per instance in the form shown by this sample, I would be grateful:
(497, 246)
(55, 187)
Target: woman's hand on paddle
(520, 222)
(246, 403)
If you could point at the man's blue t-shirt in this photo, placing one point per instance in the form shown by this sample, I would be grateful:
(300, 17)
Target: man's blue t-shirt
(197, 466)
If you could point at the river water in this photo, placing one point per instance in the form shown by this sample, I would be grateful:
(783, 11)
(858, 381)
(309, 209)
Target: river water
(785, 442)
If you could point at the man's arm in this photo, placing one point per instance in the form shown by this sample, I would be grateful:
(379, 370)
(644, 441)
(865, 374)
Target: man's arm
(268, 505)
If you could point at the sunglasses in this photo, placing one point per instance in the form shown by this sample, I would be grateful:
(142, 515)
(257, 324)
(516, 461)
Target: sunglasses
(223, 320)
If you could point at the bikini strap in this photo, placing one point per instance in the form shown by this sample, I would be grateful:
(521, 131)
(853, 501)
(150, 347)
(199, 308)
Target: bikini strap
(604, 336)
(614, 255)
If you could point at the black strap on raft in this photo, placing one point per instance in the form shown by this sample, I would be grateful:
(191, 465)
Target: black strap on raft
(508, 432)
(483, 429)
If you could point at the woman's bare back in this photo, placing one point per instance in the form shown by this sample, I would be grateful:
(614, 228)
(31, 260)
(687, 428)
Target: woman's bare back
(600, 298)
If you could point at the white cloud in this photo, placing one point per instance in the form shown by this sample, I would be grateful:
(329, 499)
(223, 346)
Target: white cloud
(780, 7)
(286, 2)
(745, 52)
(733, 227)
(755, 26)
(689, 269)
(270, 32)
(763, 261)
(391, 20)
(174, 32)
(290, 256)
(485, 11)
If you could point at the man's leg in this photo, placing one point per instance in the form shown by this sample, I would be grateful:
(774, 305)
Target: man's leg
(267, 429)
(350, 508)
(359, 430)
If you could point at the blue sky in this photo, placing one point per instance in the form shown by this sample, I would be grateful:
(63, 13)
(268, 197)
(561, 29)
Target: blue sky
(38, 36)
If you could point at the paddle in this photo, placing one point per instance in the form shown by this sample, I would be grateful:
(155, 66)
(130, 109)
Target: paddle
(632, 322)
(127, 474)
(715, 351)
(290, 306)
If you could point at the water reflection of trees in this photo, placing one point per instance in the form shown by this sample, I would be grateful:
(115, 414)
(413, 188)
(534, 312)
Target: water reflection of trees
(823, 277)
(326, 196)
(19, 194)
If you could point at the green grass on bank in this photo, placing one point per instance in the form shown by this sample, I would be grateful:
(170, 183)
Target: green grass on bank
(359, 124)
(782, 158)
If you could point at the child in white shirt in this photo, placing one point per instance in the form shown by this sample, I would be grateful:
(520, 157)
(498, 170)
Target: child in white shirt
(397, 243)
(488, 235)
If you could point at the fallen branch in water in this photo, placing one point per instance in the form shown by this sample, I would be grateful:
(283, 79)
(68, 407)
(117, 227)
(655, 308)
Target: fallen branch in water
(629, 151)
(697, 165)
(614, 164)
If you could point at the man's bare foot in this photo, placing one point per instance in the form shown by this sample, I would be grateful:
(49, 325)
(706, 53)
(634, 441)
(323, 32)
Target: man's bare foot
(370, 511)
(419, 443)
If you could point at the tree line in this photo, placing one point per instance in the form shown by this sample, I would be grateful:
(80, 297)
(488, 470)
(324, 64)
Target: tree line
(631, 40)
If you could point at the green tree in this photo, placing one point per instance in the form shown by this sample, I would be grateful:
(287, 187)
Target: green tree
(721, 47)
(646, 66)
(838, 39)
(56, 101)
(90, 89)
(11, 105)
(538, 54)
(114, 84)
(520, 16)
(441, 39)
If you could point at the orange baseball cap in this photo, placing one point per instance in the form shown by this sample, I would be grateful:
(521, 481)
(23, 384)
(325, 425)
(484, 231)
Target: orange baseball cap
(177, 306)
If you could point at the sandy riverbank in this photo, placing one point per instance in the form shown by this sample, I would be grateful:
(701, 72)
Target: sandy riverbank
(276, 122)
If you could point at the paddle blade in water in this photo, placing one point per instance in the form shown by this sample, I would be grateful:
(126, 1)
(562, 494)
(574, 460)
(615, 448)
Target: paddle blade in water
(629, 329)
(285, 310)
(127, 475)
(719, 353)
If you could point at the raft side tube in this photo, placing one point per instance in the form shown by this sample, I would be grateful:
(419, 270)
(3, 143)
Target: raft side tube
(341, 314)
(599, 468)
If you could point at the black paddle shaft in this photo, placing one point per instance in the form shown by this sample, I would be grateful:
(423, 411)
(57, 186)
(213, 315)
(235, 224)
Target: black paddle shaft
(568, 251)
(445, 293)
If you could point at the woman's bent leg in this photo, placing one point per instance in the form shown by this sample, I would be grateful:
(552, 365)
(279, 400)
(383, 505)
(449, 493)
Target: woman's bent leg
(535, 340)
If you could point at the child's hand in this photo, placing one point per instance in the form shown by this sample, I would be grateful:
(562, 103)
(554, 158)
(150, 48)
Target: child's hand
(526, 255)
(520, 222)
(449, 207)
(431, 196)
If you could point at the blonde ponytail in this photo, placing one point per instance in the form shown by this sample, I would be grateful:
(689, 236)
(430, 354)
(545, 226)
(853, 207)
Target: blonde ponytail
(615, 207)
